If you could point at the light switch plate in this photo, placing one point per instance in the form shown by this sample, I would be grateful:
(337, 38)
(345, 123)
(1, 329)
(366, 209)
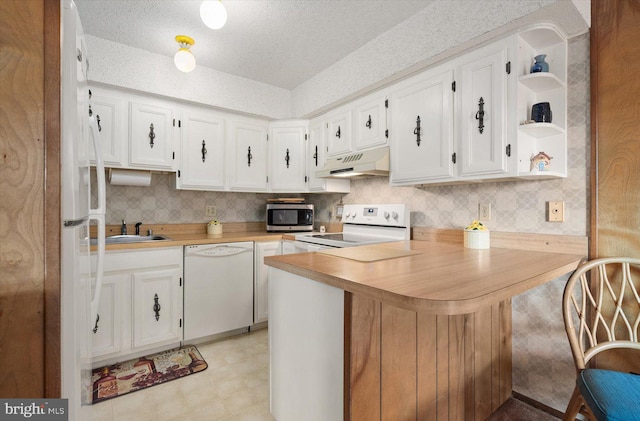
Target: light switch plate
(555, 211)
(210, 211)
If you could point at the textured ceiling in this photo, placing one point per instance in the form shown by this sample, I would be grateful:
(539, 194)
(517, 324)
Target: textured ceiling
(279, 42)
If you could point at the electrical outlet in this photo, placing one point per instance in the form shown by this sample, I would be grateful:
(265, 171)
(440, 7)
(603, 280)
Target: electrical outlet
(210, 210)
(555, 211)
(484, 211)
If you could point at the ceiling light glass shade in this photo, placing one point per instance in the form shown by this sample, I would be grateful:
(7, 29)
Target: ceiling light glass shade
(213, 13)
(184, 59)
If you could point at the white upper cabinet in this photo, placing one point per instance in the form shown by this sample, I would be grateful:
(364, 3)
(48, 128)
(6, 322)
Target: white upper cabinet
(421, 135)
(287, 158)
(370, 122)
(247, 149)
(110, 111)
(482, 111)
(316, 160)
(339, 132)
(151, 136)
(202, 151)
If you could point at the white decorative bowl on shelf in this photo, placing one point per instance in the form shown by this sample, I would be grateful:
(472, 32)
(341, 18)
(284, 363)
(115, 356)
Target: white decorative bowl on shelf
(477, 239)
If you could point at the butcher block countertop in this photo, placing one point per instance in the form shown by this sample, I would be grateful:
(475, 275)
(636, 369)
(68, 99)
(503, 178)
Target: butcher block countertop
(436, 277)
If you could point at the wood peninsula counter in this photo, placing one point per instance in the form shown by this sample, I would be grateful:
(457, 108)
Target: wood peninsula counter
(397, 331)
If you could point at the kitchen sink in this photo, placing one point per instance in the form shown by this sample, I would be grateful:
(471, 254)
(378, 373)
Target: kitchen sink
(121, 239)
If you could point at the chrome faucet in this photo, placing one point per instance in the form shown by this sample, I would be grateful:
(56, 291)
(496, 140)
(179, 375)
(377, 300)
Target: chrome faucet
(138, 228)
(123, 228)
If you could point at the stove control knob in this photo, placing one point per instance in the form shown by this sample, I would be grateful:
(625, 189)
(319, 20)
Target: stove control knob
(348, 214)
(394, 215)
(386, 215)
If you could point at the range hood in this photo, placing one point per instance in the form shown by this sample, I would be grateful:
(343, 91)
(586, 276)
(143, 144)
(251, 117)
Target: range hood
(357, 165)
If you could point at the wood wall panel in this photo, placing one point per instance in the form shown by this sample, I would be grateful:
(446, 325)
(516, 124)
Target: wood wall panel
(22, 193)
(484, 338)
(442, 370)
(456, 368)
(398, 364)
(615, 139)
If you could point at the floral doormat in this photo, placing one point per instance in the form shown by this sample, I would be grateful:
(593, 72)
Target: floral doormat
(119, 379)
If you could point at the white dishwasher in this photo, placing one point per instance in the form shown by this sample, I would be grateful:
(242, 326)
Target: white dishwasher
(218, 288)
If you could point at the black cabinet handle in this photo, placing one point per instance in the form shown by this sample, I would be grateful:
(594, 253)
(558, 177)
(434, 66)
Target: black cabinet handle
(95, 328)
(416, 131)
(152, 135)
(338, 133)
(156, 306)
(249, 156)
(480, 115)
(368, 123)
(203, 150)
(315, 155)
(287, 158)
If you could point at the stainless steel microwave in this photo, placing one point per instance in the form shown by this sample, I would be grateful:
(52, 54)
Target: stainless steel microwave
(289, 217)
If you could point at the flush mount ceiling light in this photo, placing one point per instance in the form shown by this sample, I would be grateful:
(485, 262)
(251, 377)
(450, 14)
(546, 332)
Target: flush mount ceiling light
(184, 59)
(213, 13)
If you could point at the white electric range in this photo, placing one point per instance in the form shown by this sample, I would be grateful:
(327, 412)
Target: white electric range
(362, 224)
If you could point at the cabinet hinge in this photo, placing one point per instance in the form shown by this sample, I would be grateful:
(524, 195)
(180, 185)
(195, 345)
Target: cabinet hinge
(180, 322)
(178, 173)
(180, 281)
(386, 103)
(305, 178)
(267, 137)
(453, 158)
(508, 67)
(386, 133)
(267, 179)
(453, 86)
(179, 123)
(509, 149)
(305, 136)
(174, 122)
(174, 155)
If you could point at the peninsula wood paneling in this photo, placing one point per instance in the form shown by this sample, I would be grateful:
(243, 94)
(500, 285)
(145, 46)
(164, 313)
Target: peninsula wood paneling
(22, 193)
(429, 367)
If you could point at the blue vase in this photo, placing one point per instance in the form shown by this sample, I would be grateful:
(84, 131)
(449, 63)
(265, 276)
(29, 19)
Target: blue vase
(540, 65)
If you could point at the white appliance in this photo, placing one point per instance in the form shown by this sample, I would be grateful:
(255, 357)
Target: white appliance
(357, 165)
(80, 289)
(363, 224)
(218, 289)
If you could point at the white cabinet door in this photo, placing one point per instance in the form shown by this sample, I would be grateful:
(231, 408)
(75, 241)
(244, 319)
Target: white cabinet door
(248, 149)
(150, 137)
(110, 110)
(421, 135)
(261, 288)
(157, 307)
(202, 152)
(316, 160)
(482, 111)
(287, 159)
(339, 132)
(109, 336)
(370, 123)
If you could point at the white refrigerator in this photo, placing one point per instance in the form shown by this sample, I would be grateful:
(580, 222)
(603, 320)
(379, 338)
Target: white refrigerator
(80, 289)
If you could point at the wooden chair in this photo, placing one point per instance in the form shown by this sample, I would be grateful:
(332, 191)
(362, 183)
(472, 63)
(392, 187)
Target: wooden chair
(601, 309)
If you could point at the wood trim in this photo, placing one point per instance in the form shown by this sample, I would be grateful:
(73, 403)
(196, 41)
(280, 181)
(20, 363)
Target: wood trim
(52, 217)
(594, 42)
(570, 244)
(538, 405)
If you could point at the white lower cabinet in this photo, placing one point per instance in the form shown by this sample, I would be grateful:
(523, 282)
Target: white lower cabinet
(140, 306)
(261, 287)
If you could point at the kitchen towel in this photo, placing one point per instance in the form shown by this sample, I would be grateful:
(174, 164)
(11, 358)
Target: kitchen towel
(129, 177)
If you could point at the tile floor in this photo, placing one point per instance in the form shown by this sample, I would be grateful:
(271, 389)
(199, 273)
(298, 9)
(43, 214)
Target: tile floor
(235, 386)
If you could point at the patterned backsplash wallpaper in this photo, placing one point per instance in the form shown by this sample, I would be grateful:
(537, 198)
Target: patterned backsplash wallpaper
(543, 367)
